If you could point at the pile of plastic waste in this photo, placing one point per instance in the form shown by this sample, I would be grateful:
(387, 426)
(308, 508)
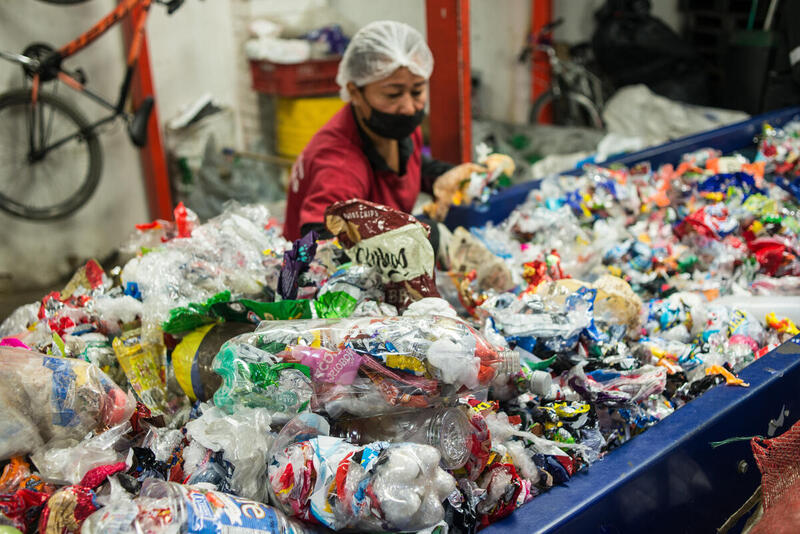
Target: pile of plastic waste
(226, 379)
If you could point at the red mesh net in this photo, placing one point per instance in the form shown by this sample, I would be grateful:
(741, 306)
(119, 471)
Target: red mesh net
(779, 461)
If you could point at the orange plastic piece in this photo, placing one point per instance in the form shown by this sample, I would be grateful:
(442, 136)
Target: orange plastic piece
(14, 474)
(730, 379)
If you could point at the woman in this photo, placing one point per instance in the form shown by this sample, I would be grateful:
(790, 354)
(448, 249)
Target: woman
(372, 149)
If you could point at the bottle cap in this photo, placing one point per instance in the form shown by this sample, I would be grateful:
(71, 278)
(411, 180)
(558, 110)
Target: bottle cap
(541, 382)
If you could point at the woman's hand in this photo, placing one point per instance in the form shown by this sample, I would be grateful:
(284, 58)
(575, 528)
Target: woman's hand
(501, 162)
(448, 185)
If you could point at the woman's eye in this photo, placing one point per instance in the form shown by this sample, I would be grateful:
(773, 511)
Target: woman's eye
(398, 95)
(416, 94)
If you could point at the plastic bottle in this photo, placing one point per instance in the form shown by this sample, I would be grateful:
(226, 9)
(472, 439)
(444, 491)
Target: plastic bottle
(447, 429)
(167, 507)
(194, 356)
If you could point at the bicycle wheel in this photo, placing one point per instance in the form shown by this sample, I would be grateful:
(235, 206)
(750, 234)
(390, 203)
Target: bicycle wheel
(568, 109)
(38, 180)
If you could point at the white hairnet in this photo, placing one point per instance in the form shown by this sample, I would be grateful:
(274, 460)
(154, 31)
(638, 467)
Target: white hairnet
(380, 48)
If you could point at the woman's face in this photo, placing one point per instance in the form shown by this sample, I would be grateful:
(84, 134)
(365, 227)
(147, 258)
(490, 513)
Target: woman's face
(402, 93)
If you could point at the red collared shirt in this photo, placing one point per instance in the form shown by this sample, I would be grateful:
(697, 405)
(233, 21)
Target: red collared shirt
(334, 166)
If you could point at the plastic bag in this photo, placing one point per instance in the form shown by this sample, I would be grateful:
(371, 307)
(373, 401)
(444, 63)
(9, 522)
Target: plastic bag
(244, 439)
(394, 487)
(226, 253)
(46, 398)
(170, 508)
(69, 460)
(362, 366)
(19, 320)
(393, 243)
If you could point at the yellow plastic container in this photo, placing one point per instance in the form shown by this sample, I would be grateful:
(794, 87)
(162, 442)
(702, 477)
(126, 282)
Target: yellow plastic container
(298, 119)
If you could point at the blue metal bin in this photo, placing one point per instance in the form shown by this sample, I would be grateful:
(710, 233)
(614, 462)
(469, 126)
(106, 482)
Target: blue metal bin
(669, 479)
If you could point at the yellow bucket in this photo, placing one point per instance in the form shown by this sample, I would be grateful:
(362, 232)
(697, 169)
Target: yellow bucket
(298, 119)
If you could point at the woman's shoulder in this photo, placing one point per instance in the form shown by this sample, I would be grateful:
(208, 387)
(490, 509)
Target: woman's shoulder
(337, 144)
(339, 132)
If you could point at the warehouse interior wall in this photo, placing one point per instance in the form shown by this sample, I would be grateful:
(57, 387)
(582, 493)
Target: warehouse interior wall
(193, 52)
(198, 50)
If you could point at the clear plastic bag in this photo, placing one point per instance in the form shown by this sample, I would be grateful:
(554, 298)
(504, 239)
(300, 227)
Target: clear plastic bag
(46, 398)
(226, 253)
(620, 388)
(19, 320)
(68, 460)
(169, 508)
(244, 439)
(361, 366)
(394, 487)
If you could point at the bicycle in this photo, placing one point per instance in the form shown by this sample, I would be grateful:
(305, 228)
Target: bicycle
(45, 140)
(575, 96)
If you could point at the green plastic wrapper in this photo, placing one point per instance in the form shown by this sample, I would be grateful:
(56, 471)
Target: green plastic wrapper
(195, 315)
(335, 304)
(220, 306)
(278, 311)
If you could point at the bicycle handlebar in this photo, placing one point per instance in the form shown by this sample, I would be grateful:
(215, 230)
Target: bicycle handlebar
(19, 58)
(171, 5)
(550, 26)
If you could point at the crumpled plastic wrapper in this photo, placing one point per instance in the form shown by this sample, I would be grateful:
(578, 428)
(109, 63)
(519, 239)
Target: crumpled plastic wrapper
(244, 437)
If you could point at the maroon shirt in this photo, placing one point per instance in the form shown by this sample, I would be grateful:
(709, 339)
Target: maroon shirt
(334, 166)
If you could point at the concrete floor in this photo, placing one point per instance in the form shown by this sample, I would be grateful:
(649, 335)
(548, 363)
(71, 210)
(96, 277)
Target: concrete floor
(10, 301)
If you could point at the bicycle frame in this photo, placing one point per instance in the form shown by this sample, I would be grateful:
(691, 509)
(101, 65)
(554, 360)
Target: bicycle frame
(567, 76)
(140, 9)
(102, 26)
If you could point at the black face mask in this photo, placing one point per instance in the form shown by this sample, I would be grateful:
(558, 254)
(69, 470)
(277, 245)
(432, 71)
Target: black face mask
(393, 125)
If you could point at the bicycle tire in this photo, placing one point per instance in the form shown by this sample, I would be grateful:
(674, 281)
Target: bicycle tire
(88, 143)
(591, 117)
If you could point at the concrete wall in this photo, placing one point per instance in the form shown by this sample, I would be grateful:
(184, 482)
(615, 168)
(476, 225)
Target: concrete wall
(192, 52)
(498, 33)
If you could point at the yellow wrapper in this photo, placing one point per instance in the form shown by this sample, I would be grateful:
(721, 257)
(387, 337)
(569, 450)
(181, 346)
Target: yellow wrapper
(405, 363)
